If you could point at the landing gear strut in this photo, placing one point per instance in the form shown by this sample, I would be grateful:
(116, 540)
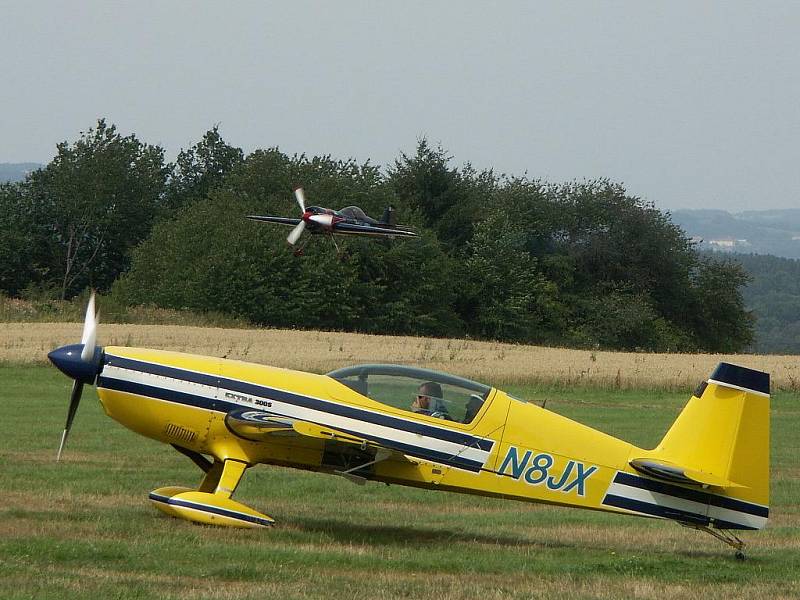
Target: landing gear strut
(723, 535)
(211, 503)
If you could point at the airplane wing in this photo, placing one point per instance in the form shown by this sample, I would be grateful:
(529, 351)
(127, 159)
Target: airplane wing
(258, 426)
(269, 219)
(375, 230)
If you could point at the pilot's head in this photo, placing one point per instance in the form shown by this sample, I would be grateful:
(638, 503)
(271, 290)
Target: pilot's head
(425, 393)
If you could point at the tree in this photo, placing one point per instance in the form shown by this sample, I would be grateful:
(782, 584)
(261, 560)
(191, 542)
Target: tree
(512, 300)
(450, 201)
(719, 318)
(201, 168)
(22, 243)
(99, 196)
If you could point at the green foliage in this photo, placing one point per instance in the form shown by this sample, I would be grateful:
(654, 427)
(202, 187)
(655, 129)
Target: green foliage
(450, 201)
(508, 258)
(720, 320)
(96, 201)
(511, 298)
(210, 258)
(773, 293)
(407, 287)
(18, 240)
(201, 168)
(615, 317)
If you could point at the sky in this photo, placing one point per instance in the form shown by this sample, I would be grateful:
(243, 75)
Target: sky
(688, 104)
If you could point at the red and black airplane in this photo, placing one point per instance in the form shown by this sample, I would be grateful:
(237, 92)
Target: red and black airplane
(350, 220)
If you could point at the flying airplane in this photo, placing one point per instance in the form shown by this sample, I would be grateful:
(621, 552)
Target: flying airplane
(350, 220)
(417, 427)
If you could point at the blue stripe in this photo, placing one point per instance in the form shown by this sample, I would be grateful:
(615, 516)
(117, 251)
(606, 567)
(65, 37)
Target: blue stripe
(211, 509)
(742, 377)
(303, 401)
(140, 389)
(693, 495)
(666, 512)
(655, 510)
(222, 406)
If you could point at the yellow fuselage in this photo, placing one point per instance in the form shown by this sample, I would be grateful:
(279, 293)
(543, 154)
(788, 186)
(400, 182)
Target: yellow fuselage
(511, 449)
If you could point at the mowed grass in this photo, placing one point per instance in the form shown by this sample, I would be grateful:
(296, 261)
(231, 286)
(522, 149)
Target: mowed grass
(84, 528)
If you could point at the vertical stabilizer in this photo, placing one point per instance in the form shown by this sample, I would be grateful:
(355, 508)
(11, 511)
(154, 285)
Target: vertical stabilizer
(712, 466)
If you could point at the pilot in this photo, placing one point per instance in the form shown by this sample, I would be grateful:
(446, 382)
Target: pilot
(429, 401)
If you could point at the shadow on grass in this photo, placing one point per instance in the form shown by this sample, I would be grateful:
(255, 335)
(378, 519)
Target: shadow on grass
(402, 535)
(396, 535)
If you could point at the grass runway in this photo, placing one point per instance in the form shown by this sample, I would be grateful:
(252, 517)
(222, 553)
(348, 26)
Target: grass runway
(84, 528)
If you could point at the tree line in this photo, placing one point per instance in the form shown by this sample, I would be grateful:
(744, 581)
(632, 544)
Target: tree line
(774, 294)
(582, 264)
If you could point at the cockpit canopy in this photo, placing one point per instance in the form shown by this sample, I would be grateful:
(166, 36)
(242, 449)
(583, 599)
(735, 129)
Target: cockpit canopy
(351, 213)
(444, 396)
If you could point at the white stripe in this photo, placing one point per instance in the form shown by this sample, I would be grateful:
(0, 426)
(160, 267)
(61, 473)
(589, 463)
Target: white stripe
(159, 381)
(734, 516)
(737, 387)
(698, 508)
(285, 409)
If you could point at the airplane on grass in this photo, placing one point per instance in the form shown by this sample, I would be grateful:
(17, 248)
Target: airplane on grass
(350, 220)
(411, 426)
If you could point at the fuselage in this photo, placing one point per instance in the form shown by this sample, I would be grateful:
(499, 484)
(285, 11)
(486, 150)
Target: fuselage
(510, 449)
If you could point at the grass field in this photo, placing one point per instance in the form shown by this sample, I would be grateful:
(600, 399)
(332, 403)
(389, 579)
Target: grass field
(84, 528)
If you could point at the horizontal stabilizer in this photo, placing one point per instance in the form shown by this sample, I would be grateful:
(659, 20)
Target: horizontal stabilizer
(676, 474)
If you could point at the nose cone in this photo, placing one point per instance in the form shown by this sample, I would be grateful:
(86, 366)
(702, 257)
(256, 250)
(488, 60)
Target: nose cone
(68, 360)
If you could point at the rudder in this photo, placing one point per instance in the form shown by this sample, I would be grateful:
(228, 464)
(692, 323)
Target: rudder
(719, 444)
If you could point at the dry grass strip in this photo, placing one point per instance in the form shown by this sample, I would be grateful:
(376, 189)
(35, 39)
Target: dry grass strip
(317, 351)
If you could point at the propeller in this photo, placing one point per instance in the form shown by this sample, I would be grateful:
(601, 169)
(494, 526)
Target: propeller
(301, 198)
(81, 362)
(89, 335)
(295, 233)
(74, 400)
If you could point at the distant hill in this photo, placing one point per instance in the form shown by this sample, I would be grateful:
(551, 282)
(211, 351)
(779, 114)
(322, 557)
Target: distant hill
(773, 295)
(775, 232)
(16, 171)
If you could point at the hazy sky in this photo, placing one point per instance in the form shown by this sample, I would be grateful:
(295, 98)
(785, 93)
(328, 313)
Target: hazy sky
(689, 104)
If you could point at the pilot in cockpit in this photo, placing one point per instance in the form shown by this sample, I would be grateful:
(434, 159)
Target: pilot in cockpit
(429, 401)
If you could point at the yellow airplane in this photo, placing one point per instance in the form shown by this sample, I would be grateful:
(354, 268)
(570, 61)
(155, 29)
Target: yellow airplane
(410, 426)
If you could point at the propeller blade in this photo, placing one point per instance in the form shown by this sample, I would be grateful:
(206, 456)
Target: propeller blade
(74, 400)
(295, 233)
(89, 337)
(301, 198)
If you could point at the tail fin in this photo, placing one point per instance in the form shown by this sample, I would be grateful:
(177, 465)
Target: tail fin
(720, 443)
(389, 216)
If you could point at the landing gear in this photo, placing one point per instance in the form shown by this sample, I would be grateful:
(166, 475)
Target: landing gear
(211, 503)
(725, 536)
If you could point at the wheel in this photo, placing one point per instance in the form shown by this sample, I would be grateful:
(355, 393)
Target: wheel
(740, 555)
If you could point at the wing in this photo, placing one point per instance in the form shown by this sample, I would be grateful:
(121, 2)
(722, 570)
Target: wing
(374, 230)
(269, 219)
(260, 426)
(257, 425)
